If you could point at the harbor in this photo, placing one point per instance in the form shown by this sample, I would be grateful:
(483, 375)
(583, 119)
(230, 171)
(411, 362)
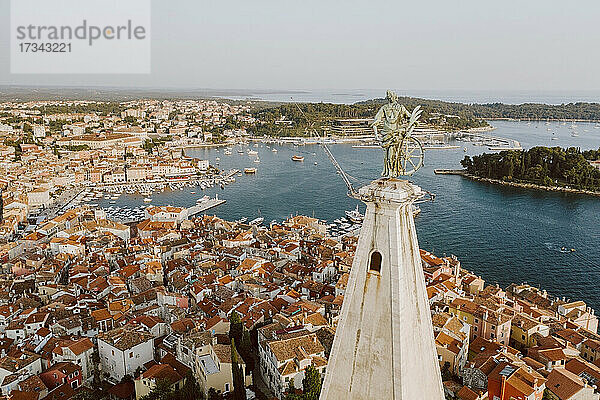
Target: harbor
(108, 197)
(279, 186)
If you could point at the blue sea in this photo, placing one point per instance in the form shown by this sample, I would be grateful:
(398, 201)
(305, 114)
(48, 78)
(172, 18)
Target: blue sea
(504, 234)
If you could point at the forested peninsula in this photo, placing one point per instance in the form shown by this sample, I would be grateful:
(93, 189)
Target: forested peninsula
(291, 119)
(545, 167)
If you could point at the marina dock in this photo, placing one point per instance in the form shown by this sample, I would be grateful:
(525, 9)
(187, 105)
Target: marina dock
(461, 172)
(205, 205)
(425, 147)
(493, 143)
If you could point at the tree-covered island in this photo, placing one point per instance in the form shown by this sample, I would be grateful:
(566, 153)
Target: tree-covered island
(550, 167)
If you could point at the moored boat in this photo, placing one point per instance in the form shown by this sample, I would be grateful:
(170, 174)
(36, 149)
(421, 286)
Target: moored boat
(257, 221)
(355, 215)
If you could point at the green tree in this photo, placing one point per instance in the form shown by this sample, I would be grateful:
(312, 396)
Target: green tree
(446, 373)
(236, 327)
(213, 395)
(246, 350)
(88, 395)
(239, 389)
(311, 384)
(162, 391)
(290, 393)
(191, 388)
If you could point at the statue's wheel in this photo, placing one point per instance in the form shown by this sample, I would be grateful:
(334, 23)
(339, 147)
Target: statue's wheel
(410, 157)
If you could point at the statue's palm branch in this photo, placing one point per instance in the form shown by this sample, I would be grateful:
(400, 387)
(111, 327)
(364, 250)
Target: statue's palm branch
(412, 122)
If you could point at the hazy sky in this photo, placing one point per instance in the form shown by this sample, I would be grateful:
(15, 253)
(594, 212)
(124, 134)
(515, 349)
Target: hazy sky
(324, 44)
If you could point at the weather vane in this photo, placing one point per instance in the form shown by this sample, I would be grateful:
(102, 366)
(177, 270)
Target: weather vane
(403, 153)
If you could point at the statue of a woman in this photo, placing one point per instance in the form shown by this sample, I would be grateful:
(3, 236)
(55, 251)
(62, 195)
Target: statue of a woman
(392, 116)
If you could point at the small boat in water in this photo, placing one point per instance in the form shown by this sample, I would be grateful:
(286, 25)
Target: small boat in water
(297, 158)
(257, 221)
(147, 200)
(252, 152)
(203, 199)
(249, 170)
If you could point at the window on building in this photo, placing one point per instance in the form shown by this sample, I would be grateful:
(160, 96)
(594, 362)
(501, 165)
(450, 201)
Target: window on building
(375, 264)
(131, 354)
(475, 328)
(523, 337)
(227, 387)
(476, 321)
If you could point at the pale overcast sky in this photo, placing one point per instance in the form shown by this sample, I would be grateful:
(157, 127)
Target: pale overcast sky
(350, 44)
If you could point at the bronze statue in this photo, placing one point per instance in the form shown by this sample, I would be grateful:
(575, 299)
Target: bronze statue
(403, 153)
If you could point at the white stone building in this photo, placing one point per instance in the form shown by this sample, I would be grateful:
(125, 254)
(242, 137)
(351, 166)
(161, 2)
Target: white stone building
(285, 358)
(78, 352)
(39, 197)
(15, 370)
(123, 350)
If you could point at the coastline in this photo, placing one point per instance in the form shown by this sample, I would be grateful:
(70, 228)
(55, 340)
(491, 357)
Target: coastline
(533, 186)
(540, 119)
